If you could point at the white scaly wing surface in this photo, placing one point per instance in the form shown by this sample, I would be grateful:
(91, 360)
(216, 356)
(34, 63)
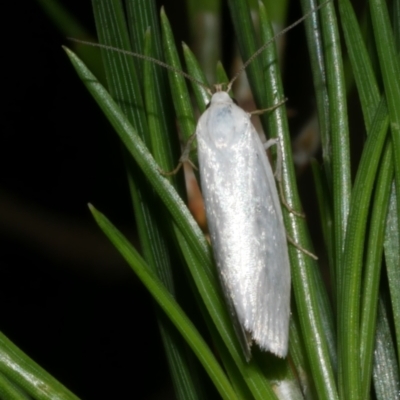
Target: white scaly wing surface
(245, 222)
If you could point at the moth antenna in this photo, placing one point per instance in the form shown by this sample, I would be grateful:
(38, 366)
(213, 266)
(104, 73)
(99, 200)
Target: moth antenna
(143, 57)
(265, 45)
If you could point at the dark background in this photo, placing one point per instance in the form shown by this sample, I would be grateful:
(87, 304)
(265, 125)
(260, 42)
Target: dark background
(68, 299)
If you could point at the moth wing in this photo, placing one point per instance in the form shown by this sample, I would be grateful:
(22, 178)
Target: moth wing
(207, 159)
(269, 325)
(246, 225)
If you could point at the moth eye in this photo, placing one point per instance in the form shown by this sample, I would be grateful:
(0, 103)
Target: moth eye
(234, 100)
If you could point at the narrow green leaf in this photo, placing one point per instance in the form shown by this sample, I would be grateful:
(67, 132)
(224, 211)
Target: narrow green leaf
(299, 357)
(23, 371)
(392, 257)
(11, 391)
(233, 371)
(70, 27)
(63, 19)
(193, 67)
(386, 370)
(371, 278)
(183, 368)
(363, 73)
(154, 229)
(168, 304)
(341, 175)
(325, 211)
(180, 94)
(311, 302)
(369, 97)
(353, 254)
(139, 151)
(390, 70)
(206, 34)
(222, 76)
(156, 92)
(318, 69)
(248, 44)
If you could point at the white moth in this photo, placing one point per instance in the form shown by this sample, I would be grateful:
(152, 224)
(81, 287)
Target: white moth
(244, 217)
(245, 222)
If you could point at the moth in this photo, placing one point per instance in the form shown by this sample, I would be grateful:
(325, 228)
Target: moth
(245, 223)
(244, 216)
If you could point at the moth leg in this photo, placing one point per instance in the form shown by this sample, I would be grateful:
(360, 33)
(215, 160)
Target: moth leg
(278, 174)
(278, 168)
(305, 251)
(264, 110)
(183, 158)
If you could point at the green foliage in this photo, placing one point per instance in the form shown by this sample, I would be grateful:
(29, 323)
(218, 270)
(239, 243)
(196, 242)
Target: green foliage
(340, 347)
